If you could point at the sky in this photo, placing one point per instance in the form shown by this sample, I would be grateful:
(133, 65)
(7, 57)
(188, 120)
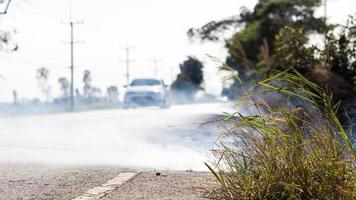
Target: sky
(153, 29)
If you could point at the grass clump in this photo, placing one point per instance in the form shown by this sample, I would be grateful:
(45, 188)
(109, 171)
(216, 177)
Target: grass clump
(286, 153)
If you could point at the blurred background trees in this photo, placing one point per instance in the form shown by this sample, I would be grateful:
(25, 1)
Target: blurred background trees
(87, 81)
(189, 79)
(261, 24)
(341, 52)
(331, 67)
(112, 93)
(275, 36)
(42, 76)
(90, 93)
(7, 42)
(65, 87)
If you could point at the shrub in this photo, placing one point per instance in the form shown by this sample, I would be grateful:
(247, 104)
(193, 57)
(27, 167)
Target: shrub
(297, 153)
(340, 52)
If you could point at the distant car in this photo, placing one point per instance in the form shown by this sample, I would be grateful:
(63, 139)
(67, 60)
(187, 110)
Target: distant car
(146, 92)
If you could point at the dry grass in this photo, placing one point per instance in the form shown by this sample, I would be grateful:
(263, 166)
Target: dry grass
(301, 153)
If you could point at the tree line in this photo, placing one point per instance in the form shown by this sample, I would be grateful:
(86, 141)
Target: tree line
(89, 92)
(275, 36)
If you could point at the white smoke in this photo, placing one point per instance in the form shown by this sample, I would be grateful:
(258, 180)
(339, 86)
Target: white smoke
(141, 138)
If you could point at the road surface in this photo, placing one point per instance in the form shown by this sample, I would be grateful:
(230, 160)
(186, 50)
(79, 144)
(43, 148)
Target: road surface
(63, 155)
(172, 139)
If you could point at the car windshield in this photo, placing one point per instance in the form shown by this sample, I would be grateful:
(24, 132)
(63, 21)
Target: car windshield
(141, 82)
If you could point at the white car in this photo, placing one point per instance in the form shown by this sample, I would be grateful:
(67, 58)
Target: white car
(146, 92)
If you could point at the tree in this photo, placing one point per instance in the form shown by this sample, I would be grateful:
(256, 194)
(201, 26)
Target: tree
(89, 91)
(263, 23)
(341, 52)
(191, 70)
(190, 78)
(42, 76)
(292, 51)
(6, 41)
(64, 86)
(112, 93)
(15, 97)
(87, 80)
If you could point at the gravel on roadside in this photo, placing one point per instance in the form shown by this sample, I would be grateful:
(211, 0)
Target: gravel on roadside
(42, 182)
(39, 182)
(164, 186)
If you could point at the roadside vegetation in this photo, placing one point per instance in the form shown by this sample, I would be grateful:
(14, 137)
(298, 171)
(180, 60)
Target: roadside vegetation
(293, 138)
(286, 153)
(275, 36)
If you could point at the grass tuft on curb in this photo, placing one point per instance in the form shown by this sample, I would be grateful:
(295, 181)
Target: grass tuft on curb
(286, 153)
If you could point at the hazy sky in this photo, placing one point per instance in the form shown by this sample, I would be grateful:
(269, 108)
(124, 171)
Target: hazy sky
(156, 29)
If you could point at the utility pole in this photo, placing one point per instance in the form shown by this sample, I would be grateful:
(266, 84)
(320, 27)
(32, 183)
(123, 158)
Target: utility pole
(72, 43)
(155, 70)
(128, 61)
(72, 65)
(326, 9)
(326, 20)
(326, 31)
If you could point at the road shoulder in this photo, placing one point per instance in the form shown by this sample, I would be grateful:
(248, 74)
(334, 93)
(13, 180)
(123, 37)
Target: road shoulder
(165, 185)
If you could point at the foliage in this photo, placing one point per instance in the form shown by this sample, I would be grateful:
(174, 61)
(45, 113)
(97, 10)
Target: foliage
(90, 92)
(188, 81)
(302, 153)
(291, 50)
(64, 86)
(87, 80)
(42, 76)
(333, 68)
(7, 42)
(341, 52)
(211, 30)
(263, 23)
(191, 71)
(112, 93)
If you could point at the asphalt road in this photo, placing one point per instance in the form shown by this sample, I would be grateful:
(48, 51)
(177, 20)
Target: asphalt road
(171, 139)
(44, 182)
(61, 156)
